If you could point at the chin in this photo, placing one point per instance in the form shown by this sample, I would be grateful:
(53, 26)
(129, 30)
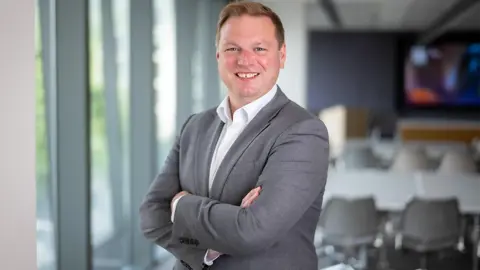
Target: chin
(248, 92)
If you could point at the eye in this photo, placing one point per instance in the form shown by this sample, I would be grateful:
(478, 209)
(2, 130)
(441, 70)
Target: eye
(258, 49)
(231, 49)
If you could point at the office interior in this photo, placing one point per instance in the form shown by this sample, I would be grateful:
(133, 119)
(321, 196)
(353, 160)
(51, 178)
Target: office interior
(396, 82)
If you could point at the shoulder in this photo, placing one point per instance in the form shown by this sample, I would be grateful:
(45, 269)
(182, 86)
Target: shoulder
(295, 118)
(202, 116)
(199, 119)
(299, 133)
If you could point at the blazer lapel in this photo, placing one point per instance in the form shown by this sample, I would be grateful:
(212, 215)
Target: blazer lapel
(206, 142)
(251, 131)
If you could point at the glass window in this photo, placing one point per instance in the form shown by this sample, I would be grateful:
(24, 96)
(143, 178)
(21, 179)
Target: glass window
(45, 227)
(199, 59)
(108, 41)
(165, 83)
(165, 86)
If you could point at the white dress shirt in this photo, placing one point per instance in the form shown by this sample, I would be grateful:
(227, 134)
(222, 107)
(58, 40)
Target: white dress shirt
(232, 128)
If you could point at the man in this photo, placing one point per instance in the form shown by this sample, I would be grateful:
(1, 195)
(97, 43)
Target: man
(242, 187)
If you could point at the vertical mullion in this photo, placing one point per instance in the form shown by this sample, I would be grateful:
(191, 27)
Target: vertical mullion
(72, 159)
(213, 76)
(207, 20)
(46, 10)
(185, 17)
(45, 33)
(142, 120)
(199, 83)
(112, 120)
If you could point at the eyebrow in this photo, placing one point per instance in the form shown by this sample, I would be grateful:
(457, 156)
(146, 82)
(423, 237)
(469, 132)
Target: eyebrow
(254, 44)
(230, 44)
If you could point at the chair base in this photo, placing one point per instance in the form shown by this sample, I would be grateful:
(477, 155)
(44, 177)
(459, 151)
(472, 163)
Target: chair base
(352, 258)
(383, 265)
(340, 266)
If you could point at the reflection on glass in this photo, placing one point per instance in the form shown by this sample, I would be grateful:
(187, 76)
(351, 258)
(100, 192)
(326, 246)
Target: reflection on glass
(165, 80)
(45, 228)
(102, 215)
(165, 86)
(108, 43)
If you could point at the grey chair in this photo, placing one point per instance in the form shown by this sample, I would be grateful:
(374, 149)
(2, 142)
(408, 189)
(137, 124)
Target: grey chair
(409, 159)
(359, 157)
(349, 227)
(428, 226)
(456, 162)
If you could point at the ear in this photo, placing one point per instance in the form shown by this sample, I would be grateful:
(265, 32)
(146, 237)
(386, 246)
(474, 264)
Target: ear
(283, 55)
(218, 55)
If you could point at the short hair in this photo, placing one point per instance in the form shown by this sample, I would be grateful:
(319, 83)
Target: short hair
(237, 9)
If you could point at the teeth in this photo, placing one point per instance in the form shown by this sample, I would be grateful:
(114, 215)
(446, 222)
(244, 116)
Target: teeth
(247, 75)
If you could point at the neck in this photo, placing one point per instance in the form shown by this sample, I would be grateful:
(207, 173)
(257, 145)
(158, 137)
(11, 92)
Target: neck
(235, 104)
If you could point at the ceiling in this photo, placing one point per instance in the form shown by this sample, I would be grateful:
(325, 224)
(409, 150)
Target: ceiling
(388, 14)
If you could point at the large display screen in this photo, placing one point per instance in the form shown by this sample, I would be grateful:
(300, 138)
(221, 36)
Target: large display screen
(443, 75)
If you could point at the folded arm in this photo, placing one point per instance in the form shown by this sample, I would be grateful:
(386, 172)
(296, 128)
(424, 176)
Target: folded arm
(155, 212)
(293, 178)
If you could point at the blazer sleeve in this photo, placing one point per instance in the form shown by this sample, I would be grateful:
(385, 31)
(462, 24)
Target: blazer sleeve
(155, 212)
(293, 178)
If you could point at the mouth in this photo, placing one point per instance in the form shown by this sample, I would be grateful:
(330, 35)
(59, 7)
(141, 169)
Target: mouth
(247, 76)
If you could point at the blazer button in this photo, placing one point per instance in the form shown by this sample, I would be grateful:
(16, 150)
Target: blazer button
(186, 265)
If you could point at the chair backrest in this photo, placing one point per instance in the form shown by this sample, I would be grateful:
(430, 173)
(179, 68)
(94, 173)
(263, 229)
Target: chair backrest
(350, 218)
(475, 148)
(457, 162)
(357, 158)
(410, 159)
(428, 220)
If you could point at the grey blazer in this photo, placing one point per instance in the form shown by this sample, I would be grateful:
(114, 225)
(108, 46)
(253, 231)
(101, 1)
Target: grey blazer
(285, 150)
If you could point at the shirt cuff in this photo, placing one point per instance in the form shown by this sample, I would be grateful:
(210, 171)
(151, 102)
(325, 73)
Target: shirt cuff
(174, 206)
(210, 253)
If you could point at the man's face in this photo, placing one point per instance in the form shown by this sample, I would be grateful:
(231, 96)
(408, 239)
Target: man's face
(249, 57)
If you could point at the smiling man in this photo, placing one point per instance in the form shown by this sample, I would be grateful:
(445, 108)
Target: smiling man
(242, 187)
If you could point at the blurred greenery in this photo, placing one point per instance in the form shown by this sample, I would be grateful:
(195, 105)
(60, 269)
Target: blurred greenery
(97, 110)
(40, 115)
(41, 125)
(98, 129)
(98, 132)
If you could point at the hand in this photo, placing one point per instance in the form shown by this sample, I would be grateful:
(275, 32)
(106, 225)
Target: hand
(251, 197)
(181, 193)
(246, 202)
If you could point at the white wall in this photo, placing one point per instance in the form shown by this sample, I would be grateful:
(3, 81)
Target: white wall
(17, 136)
(293, 79)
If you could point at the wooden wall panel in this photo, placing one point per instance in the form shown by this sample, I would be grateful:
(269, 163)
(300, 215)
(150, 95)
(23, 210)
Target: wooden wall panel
(429, 133)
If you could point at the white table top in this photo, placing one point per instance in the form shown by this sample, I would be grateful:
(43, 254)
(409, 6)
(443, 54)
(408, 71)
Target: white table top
(387, 149)
(392, 191)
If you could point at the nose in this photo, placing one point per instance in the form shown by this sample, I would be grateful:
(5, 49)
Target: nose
(245, 58)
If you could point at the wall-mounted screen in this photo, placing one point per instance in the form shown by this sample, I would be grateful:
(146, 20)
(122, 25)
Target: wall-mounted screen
(442, 75)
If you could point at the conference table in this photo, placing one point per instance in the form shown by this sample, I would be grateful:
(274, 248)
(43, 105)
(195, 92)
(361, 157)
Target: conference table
(393, 190)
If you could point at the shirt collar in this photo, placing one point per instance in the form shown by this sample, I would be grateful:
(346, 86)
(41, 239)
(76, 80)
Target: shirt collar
(249, 111)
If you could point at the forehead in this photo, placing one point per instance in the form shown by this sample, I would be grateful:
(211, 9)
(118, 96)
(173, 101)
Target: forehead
(248, 27)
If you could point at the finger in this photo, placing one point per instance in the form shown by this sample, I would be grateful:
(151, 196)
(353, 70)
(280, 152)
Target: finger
(250, 194)
(245, 202)
(251, 199)
(247, 197)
